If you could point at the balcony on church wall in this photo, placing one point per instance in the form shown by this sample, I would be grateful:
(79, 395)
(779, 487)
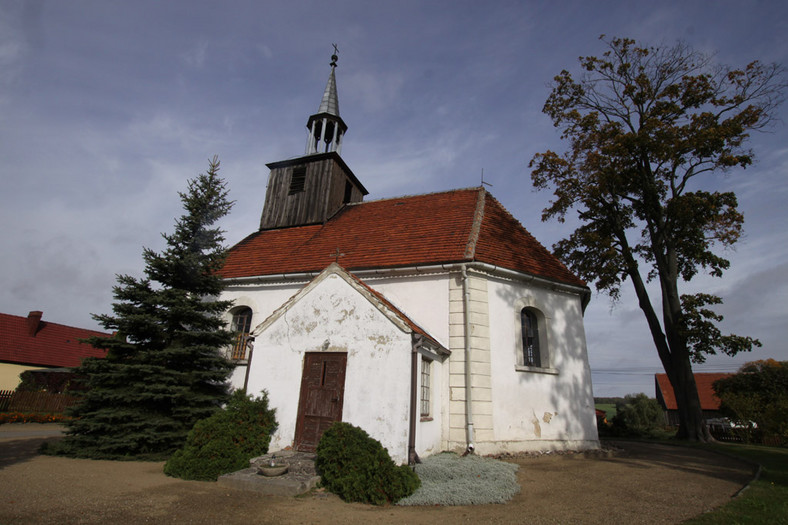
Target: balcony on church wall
(241, 349)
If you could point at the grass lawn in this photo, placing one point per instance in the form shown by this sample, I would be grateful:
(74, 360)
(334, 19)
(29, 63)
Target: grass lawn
(609, 408)
(766, 500)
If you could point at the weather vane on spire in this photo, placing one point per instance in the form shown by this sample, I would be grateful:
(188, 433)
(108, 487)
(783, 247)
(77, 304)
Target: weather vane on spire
(334, 57)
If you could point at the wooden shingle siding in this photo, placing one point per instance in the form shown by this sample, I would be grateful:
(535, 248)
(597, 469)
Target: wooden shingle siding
(322, 195)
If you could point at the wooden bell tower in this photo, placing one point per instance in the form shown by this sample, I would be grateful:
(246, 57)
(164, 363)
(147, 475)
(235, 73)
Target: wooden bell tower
(312, 188)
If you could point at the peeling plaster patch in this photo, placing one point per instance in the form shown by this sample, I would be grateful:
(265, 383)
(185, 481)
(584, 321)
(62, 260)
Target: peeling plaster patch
(547, 417)
(537, 427)
(381, 340)
(346, 314)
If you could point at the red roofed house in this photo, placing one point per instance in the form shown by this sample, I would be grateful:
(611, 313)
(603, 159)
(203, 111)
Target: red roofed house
(28, 343)
(709, 402)
(434, 322)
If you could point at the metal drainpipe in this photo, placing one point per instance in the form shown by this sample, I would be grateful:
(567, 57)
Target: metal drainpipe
(413, 457)
(248, 364)
(466, 300)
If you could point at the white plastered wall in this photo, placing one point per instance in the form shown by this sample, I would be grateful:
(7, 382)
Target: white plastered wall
(334, 317)
(546, 409)
(263, 300)
(423, 298)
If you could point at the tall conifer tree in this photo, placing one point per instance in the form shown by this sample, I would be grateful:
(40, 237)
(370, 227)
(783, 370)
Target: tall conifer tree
(164, 369)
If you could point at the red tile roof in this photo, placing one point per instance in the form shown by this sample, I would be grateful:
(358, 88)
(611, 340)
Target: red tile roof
(467, 225)
(704, 382)
(52, 345)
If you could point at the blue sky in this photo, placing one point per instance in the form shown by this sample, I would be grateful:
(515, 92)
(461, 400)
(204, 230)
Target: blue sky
(108, 107)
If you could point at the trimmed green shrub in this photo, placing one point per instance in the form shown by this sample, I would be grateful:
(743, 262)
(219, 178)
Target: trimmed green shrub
(226, 441)
(357, 468)
(638, 416)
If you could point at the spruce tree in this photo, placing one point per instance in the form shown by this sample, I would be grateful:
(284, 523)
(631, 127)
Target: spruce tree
(165, 368)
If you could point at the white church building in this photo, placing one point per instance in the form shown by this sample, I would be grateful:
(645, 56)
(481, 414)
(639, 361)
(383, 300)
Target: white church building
(434, 322)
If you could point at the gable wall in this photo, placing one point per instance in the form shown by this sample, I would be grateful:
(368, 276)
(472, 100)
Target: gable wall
(333, 317)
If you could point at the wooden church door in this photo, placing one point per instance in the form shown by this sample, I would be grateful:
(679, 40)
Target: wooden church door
(322, 394)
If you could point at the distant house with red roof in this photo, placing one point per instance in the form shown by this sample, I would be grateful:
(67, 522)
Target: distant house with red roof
(434, 322)
(30, 343)
(709, 402)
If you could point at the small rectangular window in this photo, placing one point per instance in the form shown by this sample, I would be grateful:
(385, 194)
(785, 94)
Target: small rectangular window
(348, 192)
(297, 180)
(425, 387)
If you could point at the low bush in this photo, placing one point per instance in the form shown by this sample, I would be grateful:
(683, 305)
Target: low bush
(226, 441)
(638, 416)
(358, 468)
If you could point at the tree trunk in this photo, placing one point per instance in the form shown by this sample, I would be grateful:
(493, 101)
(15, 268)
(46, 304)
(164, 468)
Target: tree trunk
(691, 424)
(692, 427)
(676, 362)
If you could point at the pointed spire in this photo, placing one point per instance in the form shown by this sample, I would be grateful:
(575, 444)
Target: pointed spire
(330, 102)
(326, 127)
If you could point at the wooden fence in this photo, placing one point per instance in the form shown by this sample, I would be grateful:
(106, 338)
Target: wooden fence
(12, 401)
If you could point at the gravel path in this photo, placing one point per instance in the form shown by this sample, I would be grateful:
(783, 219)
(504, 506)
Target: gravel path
(641, 483)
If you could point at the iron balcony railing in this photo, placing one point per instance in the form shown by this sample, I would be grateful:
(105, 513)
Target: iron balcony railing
(242, 347)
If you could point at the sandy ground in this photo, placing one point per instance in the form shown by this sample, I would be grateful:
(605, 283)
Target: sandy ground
(641, 483)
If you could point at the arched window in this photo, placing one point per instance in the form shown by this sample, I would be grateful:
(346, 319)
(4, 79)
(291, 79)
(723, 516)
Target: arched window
(530, 331)
(241, 325)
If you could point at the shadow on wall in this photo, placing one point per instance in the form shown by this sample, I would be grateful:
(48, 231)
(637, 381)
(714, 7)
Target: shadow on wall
(572, 395)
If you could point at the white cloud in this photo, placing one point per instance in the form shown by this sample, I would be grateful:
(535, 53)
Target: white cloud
(195, 57)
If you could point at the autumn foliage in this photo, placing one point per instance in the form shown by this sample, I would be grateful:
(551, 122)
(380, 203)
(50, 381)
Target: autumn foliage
(646, 128)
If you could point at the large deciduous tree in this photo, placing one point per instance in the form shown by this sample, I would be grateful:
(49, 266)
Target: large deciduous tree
(758, 394)
(164, 369)
(646, 128)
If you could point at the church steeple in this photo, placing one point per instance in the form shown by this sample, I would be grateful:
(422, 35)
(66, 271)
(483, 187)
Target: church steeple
(312, 188)
(326, 128)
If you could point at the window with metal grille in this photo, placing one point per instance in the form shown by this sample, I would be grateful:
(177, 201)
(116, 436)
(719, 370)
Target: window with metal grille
(241, 325)
(425, 387)
(530, 331)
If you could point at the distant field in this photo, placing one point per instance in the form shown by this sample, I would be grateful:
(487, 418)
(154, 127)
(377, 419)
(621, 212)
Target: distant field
(609, 408)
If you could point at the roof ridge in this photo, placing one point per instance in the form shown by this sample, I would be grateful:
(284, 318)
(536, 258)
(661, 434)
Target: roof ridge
(382, 199)
(23, 319)
(478, 217)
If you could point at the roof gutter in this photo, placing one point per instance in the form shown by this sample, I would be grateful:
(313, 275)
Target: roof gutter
(583, 291)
